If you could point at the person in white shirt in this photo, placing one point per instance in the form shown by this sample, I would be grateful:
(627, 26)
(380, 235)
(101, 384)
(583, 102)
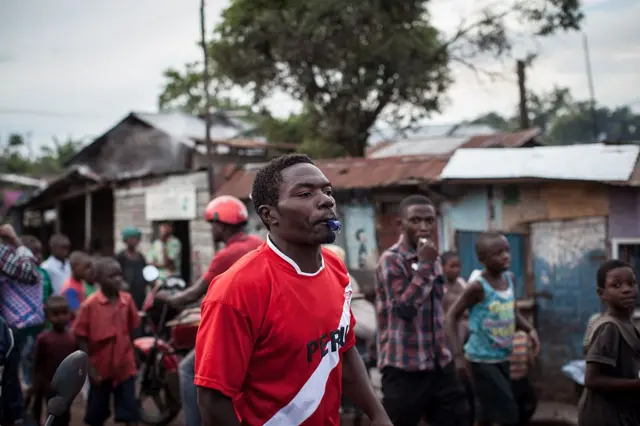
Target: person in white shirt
(57, 265)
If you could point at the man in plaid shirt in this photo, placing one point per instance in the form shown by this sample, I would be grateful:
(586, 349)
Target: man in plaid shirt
(418, 375)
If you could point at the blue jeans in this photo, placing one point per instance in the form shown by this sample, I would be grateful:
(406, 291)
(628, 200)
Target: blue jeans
(188, 390)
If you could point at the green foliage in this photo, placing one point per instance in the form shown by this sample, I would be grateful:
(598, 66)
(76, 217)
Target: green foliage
(352, 62)
(17, 156)
(564, 120)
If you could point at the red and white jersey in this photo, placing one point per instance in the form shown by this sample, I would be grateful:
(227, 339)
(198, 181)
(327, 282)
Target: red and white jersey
(272, 337)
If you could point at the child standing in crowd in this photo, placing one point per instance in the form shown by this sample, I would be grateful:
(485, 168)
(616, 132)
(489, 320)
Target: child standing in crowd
(612, 377)
(103, 329)
(51, 348)
(76, 288)
(454, 285)
(521, 358)
(132, 263)
(493, 319)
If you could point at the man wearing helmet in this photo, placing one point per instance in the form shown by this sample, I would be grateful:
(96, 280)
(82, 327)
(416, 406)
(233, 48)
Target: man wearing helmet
(228, 217)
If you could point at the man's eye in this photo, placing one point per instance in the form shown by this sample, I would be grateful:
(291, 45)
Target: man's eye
(305, 194)
(329, 192)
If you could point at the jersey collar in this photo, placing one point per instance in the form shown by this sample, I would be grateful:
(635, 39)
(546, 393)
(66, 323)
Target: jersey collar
(290, 261)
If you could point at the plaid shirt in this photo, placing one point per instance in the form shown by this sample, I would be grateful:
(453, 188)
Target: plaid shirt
(409, 297)
(18, 264)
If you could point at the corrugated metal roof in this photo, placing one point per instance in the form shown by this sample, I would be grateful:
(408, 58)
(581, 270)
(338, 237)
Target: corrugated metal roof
(185, 126)
(353, 173)
(22, 180)
(506, 140)
(594, 162)
(419, 147)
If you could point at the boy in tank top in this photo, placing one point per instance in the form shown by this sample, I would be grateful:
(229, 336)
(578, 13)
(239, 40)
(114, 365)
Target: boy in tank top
(493, 321)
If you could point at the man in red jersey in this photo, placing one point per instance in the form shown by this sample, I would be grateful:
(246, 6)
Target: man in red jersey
(228, 217)
(275, 344)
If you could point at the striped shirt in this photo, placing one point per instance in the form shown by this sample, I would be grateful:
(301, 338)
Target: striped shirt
(409, 296)
(519, 360)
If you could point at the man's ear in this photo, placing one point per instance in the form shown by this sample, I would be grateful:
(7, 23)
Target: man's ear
(599, 290)
(269, 215)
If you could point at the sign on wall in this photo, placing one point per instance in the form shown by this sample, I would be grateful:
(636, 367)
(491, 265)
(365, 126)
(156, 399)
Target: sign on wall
(171, 203)
(360, 234)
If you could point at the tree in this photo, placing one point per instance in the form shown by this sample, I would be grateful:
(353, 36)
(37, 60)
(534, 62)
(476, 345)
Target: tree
(17, 156)
(564, 120)
(353, 62)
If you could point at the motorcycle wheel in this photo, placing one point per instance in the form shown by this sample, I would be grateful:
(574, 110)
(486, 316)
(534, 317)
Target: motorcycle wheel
(157, 405)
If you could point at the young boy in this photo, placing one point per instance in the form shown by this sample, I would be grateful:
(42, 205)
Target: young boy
(493, 319)
(520, 360)
(103, 329)
(76, 288)
(132, 263)
(612, 377)
(51, 348)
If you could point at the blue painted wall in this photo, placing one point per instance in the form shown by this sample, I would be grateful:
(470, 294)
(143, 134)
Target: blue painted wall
(470, 213)
(567, 255)
(466, 249)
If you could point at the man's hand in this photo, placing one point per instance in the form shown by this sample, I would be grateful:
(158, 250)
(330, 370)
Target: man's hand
(381, 419)
(462, 368)
(427, 250)
(8, 233)
(164, 297)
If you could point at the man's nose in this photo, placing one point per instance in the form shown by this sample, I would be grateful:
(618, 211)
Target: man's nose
(326, 201)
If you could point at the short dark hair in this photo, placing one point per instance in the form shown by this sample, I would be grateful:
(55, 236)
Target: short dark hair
(448, 255)
(414, 200)
(100, 264)
(483, 239)
(266, 185)
(58, 239)
(56, 301)
(30, 241)
(608, 266)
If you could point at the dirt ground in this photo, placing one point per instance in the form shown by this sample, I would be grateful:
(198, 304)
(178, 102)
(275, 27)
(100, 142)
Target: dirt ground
(77, 415)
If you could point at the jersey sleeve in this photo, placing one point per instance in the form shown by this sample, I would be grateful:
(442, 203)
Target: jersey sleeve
(350, 341)
(223, 348)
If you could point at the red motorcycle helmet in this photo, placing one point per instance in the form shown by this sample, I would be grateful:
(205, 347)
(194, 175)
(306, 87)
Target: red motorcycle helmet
(226, 209)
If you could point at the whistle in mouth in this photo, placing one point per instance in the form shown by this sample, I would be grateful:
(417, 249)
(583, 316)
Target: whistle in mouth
(334, 225)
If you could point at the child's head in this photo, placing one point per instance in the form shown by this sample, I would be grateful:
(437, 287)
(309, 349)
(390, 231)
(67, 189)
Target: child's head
(33, 244)
(617, 287)
(492, 249)
(131, 237)
(451, 265)
(58, 313)
(81, 265)
(59, 245)
(109, 275)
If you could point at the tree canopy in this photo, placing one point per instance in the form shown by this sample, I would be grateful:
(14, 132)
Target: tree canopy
(565, 120)
(353, 62)
(18, 156)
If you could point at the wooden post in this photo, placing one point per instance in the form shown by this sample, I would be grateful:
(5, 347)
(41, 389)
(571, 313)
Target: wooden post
(524, 111)
(87, 220)
(58, 222)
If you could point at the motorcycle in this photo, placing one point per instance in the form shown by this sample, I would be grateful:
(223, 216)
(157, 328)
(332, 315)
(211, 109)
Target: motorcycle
(575, 371)
(172, 336)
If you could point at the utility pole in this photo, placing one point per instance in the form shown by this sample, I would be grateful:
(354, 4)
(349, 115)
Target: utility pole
(524, 111)
(587, 60)
(207, 101)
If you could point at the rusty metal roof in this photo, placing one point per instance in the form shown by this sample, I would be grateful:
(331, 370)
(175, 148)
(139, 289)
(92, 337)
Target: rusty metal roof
(505, 140)
(354, 173)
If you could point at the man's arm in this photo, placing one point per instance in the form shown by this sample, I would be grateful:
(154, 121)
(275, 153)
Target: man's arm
(405, 292)
(190, 294)
(357, 386)
(216, 409)
(19, 264)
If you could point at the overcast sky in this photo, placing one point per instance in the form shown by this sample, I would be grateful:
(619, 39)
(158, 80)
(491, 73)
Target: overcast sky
(76, 67)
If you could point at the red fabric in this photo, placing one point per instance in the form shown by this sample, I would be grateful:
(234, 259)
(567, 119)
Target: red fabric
(265, 329)
(50, 350)
(107, 326)
(236, 247)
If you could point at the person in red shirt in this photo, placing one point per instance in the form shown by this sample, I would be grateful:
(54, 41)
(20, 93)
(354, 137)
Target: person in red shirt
(228, 217)
(275, 344)
(76, 288)
(103, 330)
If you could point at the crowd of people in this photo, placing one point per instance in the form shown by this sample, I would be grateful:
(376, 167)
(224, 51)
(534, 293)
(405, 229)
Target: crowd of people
(284, 327)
